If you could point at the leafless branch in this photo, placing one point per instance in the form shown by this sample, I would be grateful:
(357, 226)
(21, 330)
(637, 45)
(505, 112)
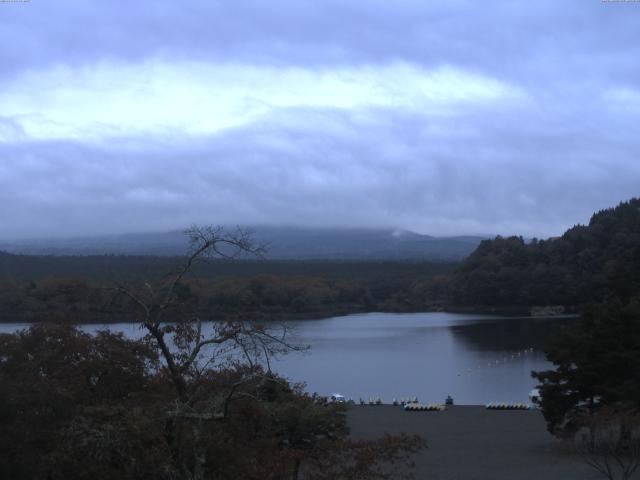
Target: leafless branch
(152, 300)
(610, 442)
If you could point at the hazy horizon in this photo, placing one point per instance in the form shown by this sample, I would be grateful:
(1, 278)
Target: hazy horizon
(253, 228)
(232, 228)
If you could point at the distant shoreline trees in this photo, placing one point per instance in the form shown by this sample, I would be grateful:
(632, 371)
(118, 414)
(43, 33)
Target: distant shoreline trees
(287, 290)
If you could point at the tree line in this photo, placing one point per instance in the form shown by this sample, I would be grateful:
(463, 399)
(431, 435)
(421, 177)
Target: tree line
(287, 289)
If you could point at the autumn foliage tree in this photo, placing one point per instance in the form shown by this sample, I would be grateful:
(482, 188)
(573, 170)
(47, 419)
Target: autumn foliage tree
(54, 380)
(80, 406)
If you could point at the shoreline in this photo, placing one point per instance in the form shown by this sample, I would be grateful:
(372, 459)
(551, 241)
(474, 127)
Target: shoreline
(267, 317)
(272, 318)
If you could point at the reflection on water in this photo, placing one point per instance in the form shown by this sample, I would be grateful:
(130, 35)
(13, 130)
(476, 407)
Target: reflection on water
(474, 358)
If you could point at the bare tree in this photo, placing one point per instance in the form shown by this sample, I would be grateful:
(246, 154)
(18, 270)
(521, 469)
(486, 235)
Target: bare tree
(188, 347)
(609, 442)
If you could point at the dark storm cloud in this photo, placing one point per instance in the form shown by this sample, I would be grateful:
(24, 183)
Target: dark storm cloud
(559, 139)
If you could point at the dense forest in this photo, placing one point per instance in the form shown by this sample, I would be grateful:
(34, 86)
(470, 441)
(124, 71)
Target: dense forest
(587, 263)
(80, 289)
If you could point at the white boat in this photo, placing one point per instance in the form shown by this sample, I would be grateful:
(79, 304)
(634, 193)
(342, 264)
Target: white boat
(337, 398)
(534, 396)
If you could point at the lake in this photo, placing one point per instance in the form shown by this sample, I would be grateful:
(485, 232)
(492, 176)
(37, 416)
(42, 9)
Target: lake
(474, 358)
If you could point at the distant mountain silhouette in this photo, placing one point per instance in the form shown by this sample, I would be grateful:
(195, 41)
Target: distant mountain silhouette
(295, 243)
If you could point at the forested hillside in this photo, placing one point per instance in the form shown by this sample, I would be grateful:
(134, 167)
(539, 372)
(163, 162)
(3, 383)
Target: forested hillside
(587, 263)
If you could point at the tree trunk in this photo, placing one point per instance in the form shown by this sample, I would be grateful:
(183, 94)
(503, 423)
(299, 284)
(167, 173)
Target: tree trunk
(296, 469)
(199, 454)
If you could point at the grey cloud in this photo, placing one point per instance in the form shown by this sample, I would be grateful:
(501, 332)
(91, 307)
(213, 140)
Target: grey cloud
(533, 168)
(514, 39)
(480, 173)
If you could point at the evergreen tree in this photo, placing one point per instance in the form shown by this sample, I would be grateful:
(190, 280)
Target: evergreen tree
(597, 365)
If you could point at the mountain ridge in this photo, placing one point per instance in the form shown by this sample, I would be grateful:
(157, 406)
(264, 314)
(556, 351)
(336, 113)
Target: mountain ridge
(291, 243)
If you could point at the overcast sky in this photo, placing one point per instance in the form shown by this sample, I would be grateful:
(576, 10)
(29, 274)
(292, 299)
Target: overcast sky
(443, 117)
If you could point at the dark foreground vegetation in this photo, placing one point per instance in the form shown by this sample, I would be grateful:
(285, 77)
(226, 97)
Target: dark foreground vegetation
(75, 406)
(592, 396)
(597, 363)
(183, 403)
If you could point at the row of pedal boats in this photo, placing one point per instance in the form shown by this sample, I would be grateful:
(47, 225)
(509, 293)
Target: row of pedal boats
(418, 407)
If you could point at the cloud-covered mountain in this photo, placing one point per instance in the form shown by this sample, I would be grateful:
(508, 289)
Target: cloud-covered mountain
(451, 117)
(282, 243)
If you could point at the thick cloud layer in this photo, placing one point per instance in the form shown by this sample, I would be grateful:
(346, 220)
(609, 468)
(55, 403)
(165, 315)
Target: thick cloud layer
(445, 118)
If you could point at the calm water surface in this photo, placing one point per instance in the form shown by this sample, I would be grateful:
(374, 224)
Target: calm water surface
(474, 358)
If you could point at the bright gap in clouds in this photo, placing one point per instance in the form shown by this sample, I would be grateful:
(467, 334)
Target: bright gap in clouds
(111, 100)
